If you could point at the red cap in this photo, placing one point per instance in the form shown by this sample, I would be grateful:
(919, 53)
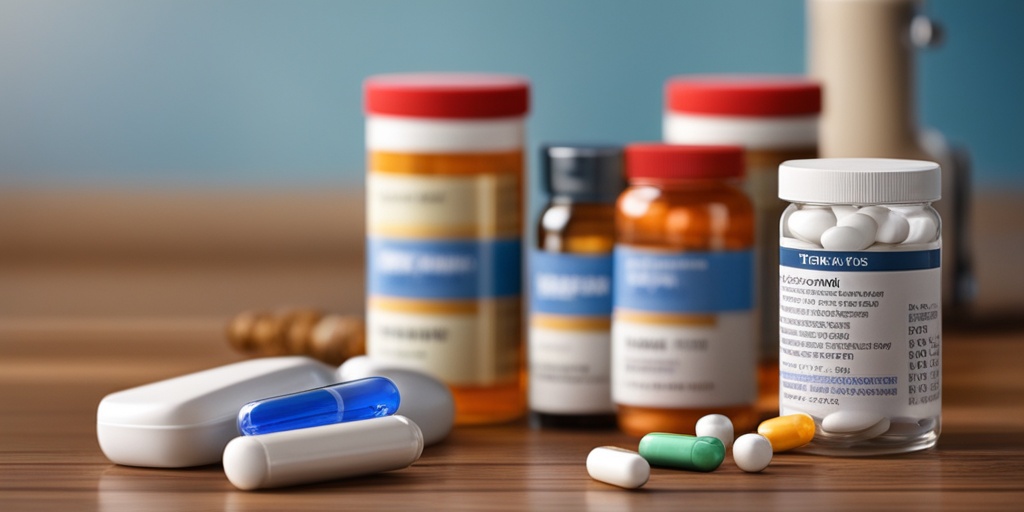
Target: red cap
(677, 162)
(757, 96)
(447, 95)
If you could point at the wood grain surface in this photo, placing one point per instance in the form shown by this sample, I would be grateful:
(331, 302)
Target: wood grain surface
(49, 459)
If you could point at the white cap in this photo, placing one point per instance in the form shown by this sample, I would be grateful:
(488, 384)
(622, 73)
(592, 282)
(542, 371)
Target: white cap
(860, 181)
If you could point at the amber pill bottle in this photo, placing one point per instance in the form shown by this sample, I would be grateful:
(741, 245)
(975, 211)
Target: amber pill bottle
(683, 322)
(444, 234)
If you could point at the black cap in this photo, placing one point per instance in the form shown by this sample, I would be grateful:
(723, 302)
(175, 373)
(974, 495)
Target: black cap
(591, 173)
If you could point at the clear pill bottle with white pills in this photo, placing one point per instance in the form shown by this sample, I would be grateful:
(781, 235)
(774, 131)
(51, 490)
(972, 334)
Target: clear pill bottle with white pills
(860, 294)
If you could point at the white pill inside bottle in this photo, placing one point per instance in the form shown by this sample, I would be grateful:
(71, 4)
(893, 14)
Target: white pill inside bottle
(808, 224)
(318, 454)
(893, 228)
(617, 466)
(752, 452)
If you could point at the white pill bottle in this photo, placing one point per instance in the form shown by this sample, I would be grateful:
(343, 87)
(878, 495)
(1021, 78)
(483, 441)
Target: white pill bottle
(860, 294)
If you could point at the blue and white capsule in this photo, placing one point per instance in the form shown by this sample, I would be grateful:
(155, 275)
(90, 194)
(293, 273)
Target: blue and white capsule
(362, 399)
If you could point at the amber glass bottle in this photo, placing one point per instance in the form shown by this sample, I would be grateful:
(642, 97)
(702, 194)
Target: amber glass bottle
(570, 288)
(683, 327)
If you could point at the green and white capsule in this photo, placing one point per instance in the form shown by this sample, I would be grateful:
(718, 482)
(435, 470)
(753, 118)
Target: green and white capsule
(682, 451)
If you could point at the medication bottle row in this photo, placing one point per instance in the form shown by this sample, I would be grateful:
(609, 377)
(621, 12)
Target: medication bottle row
(689, 255)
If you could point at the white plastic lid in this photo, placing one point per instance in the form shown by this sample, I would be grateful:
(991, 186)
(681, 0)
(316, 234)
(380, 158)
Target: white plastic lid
(860, 181)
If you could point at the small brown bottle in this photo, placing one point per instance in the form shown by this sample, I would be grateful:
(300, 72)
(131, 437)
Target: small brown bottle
(570, 288)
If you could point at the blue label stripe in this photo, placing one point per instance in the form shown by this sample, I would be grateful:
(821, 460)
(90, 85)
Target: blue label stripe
(688, 282)
(444, 269)
(860, 261)
(570, 284)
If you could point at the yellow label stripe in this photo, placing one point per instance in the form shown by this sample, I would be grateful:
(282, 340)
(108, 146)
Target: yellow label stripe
(646, 317)
(509, 162)
(397, 305)
(570, 323)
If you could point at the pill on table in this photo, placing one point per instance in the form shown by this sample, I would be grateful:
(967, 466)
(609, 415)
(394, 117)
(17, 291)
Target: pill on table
(893, 228)
(616, 466)
(788, 432)
(349, 401)
(752, 452)
(716, 425)
(318, 454)
(682, 451)
(425, 400)
(845, 238)
(808, 224)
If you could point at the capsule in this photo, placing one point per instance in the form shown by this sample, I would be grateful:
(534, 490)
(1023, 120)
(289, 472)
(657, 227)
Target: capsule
(349, 401)
(788, 432)
(616, 466)
(682, 451)
(322, 453)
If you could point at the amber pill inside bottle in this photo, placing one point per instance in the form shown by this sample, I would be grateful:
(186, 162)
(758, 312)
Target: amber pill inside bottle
(683, 325)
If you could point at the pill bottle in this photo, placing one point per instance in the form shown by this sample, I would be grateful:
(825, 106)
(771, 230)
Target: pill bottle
(860, 294)
(569, 348)
(774, 118)
(683, 324)
(444, 222)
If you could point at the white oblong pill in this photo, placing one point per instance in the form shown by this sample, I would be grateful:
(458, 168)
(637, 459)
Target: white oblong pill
(616, 466)
(718, 426)
(842, 210)
(844, 422)
(808, 224)
(924, 228)
(893, 228)
(425, 400)
(844, 238)
(863, 223)
(317, 454)
(752, 452)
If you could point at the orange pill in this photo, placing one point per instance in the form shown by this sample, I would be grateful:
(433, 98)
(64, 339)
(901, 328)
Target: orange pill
(788, 432)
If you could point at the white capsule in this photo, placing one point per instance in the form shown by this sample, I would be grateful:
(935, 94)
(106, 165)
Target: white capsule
(718, 426)
(863, 223)
(844, 238)
(616, 466)
(317, 454)
(893, 228)
(425, 400)
(808, 224)
(752, 452)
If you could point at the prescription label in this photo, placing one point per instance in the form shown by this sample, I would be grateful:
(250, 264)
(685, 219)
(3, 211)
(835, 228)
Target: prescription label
(860, 331)
(569, 343)
(443, 274)
(683, 328)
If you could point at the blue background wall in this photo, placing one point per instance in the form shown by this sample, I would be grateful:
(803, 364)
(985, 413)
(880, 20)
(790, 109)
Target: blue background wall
(258, 93)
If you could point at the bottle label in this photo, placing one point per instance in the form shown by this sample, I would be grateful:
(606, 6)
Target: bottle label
(860, 331)
(570, 343)
(443, 274)
(683, 328)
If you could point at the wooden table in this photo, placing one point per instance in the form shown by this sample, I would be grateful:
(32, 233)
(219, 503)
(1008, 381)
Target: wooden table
(52, 381)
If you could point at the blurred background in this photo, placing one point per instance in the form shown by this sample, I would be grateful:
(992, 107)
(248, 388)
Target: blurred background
(186, 159)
